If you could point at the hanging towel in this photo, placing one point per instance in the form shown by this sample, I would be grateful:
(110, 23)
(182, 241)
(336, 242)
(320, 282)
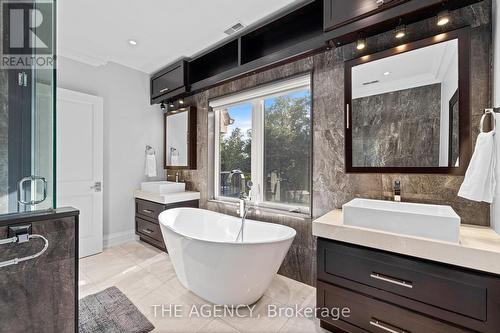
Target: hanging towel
(151, 165)
(480, 181)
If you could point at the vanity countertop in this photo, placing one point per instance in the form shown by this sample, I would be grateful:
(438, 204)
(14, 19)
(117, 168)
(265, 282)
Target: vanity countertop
(167, 198)
(479, 247)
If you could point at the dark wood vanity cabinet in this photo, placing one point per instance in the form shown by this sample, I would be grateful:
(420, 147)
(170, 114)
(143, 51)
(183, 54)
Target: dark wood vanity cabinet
(147, 225)
(169, 82)
(395, 293)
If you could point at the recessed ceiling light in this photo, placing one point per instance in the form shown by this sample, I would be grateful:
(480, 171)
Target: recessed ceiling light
(132, 42)
(387, 73)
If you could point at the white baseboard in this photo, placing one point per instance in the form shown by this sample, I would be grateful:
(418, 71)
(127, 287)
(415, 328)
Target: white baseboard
(118, 238)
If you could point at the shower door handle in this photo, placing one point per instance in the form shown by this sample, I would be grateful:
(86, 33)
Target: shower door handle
(20, 189)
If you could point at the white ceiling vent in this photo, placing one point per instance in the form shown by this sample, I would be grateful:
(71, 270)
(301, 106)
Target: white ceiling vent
(233, 29)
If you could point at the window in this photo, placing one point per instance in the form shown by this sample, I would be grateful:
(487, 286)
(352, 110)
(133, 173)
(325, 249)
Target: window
(264, 136)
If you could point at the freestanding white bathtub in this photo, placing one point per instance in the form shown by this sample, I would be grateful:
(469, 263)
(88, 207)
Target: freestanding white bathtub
(209, 262)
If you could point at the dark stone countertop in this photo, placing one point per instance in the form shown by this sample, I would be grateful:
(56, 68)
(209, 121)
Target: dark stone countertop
(35, 216)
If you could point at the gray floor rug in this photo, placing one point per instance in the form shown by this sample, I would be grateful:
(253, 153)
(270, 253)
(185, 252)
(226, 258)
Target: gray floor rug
(111, 311)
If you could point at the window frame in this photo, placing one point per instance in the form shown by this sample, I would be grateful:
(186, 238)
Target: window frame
(257, 97)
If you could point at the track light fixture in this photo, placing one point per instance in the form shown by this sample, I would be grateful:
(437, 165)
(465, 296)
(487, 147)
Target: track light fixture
(361, 44)
(443, 18)
(400, 31)
(162, 106)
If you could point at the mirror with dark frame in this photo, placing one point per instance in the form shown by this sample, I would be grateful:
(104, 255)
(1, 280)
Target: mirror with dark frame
(407, 108)
(180, 139)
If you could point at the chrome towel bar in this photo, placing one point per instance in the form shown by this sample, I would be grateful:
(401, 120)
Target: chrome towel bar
(23, 239)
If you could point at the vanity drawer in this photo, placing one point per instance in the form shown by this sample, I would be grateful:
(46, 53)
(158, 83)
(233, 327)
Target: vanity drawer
(149, 229)
(375, 316)
(440, 286)
(148, 209)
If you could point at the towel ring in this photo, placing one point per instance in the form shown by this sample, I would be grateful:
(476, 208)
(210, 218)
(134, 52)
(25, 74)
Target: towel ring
(492, 112)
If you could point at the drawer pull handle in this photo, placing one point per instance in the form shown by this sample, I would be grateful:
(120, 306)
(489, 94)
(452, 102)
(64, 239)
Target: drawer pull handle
(385, 327)
(384, 278)
(147, 211)
(163, 90)
(147, 231)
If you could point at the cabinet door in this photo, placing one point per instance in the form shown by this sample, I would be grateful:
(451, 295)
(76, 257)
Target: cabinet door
(340, 12)
(168, 82)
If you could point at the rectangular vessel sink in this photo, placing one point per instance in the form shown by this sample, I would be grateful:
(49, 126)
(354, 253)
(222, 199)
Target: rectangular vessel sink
(421, 220)
(163, 187)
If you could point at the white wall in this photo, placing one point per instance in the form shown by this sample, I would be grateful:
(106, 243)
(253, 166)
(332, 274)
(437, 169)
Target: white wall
(130, 124)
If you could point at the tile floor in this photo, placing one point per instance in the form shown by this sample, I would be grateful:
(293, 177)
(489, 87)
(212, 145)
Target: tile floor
(147, 277)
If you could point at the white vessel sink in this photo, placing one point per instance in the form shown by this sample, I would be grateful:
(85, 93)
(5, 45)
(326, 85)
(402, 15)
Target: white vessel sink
(429, 221)
(163, 187)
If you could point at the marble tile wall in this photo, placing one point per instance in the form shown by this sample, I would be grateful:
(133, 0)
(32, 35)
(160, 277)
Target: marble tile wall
(39, 295)
(332, 186)
(407, 138)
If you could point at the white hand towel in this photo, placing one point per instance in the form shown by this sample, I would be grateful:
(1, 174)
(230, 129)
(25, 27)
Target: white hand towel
(479, 183)
(150, 165)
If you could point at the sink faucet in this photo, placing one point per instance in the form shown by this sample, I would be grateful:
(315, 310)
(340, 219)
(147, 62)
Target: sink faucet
(176, 176)
(397, 191)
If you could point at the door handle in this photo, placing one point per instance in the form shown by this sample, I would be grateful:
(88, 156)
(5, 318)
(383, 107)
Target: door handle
(96, 187)
(147, 211)
(20, 189)
(163, 90)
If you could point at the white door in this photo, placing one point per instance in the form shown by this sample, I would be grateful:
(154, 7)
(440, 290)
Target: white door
(80, 163)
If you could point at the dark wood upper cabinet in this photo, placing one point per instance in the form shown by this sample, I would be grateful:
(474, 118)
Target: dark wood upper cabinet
(170, 82)
(347, 20)
(340, 12)
(307, 28)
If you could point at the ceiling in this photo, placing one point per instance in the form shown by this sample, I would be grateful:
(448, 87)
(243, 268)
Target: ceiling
(97, 31)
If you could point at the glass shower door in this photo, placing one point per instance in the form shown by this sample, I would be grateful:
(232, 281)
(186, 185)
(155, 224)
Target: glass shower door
(27, 108)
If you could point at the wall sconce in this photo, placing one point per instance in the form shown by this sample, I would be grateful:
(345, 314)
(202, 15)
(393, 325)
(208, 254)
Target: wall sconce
(361, 44)
(443, 18)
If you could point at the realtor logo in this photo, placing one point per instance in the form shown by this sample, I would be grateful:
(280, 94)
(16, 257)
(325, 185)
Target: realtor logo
(27, 34)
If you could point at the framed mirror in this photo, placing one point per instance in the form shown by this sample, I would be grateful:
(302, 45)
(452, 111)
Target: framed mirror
(408, 108)
(180, 139)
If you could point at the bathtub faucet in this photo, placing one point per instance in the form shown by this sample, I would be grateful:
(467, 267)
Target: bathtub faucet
(244, 208)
